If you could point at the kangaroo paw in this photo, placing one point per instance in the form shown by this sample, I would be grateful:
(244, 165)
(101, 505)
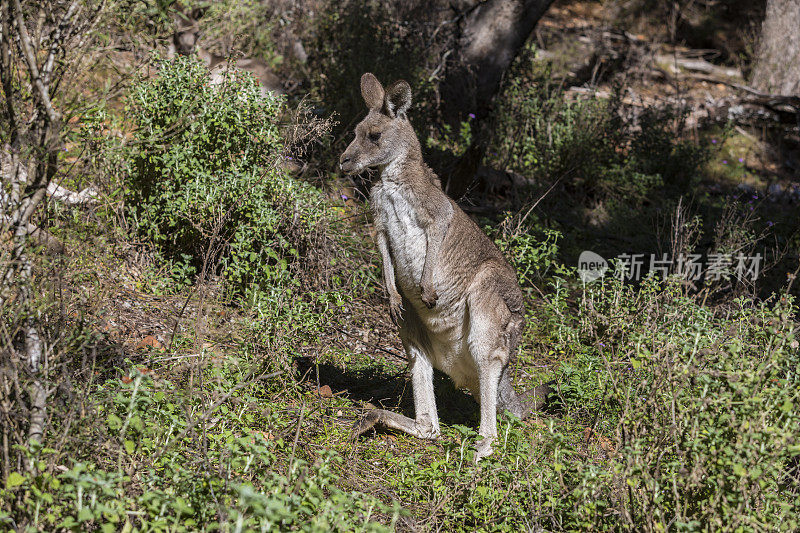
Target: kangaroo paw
(429, 297)
(396, 310)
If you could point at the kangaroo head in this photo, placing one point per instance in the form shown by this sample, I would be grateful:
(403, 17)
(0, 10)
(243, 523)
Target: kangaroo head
(385, 135)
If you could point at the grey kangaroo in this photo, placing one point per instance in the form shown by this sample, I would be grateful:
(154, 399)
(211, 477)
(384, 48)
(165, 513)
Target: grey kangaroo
(453, 295)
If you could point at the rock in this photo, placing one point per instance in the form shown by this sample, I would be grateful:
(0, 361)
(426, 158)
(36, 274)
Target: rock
(149, 342)
(775, 192)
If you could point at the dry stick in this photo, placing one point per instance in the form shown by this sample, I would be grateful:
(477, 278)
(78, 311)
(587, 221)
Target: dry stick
(5, 68)
(49, 63)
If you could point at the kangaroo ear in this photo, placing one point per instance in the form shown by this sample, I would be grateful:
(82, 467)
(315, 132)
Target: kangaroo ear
(398, 99)
(372, 91)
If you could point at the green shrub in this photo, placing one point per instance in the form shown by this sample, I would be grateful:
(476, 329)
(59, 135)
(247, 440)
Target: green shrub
(387, 46)
(207, 183)
(542, 134)
(695, 407)
(530, 249)
(711, 424)
(702, 406)
(246, 26)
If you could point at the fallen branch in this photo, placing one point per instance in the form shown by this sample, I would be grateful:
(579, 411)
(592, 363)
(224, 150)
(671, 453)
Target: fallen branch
(697, 65)
(777, 102)
(67, 197)
(19, 177)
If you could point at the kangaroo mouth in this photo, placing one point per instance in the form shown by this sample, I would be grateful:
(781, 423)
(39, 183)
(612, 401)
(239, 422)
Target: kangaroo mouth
(350, 168)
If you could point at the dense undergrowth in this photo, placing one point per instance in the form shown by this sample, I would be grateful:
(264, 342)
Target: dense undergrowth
(670, 413)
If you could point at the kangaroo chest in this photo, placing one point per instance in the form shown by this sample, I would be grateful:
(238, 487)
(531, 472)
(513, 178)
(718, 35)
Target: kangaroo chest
(395, 214)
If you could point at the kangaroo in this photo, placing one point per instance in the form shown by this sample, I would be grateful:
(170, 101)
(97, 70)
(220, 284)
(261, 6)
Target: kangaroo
(453, 295)
(185, 42)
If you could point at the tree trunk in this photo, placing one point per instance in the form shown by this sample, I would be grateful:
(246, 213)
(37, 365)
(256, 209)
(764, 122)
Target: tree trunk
(491, 34)
(777, 67)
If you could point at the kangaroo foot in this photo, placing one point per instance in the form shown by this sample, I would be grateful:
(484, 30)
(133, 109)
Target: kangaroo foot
(392, 420)
(483, 448)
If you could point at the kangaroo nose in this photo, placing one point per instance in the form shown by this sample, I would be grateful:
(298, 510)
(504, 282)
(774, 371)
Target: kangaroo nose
(343, 160)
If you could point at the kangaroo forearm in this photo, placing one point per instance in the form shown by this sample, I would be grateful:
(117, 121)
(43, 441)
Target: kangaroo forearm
(388, 266)
(388, 276)
(435, 239)
(431, 258)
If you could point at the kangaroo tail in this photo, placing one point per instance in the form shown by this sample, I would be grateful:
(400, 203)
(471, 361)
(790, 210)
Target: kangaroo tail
(521, 405)
(536, 398)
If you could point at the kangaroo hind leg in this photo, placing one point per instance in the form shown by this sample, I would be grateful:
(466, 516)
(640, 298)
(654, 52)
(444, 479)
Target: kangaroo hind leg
(493, 334)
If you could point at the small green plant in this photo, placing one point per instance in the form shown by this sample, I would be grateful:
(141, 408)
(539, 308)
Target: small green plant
(453, 142)
(242, 474)
(532, 251)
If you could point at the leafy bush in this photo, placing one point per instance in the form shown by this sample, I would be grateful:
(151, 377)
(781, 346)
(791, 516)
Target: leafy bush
(701, 407)
(246, 25)
(669, 415)
(530, 249)
(710, 425)
(207, 181)
(389, 45)
(542, 134)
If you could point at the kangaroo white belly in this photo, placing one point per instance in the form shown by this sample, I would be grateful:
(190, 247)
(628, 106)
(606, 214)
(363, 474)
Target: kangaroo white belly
(445, 322)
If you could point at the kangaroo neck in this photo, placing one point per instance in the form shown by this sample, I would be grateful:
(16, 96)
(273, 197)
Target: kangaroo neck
(400, 168)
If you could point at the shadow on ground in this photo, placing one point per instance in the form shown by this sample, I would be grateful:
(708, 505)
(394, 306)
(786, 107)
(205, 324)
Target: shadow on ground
(390, 390)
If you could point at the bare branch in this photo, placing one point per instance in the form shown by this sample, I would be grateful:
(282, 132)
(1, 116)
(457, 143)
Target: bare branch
(67, 197)
(38, 411)
(5, 67)
(30, 59)
(56, 43)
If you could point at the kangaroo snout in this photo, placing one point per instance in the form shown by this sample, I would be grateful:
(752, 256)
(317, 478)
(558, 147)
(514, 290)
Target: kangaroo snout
(346, 163)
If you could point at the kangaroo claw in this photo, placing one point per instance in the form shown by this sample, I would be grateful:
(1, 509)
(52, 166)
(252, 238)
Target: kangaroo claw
(429, 297)
(396, 310)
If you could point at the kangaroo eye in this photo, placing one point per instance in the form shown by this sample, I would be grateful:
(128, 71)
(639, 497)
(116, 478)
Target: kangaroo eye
(374, 137)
